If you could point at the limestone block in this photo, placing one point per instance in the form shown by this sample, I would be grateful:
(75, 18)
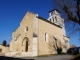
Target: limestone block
(26, 54)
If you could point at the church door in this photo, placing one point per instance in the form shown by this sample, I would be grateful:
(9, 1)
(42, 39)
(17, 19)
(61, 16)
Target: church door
(26, 47)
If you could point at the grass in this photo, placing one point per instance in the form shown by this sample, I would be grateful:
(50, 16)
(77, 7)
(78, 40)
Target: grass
(75, 56)
(46, 55)
(51, 55)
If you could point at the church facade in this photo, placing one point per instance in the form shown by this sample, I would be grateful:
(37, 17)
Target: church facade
(38, 36)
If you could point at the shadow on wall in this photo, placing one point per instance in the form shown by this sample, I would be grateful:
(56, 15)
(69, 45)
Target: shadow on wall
(59, 50)
(11, 58)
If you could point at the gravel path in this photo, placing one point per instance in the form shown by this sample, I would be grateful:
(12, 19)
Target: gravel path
(57, 57)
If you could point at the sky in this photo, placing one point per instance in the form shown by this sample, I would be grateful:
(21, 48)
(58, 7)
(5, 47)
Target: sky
(12, 12)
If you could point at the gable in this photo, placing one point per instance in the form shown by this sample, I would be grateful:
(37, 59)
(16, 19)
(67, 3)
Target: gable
(27, 18)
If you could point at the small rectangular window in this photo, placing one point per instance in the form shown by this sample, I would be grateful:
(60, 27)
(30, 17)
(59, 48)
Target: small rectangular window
(46, 37)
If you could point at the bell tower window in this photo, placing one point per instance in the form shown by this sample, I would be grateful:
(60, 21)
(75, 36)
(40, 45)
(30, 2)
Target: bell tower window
(51, 13)
(55, 18)
(50, 19)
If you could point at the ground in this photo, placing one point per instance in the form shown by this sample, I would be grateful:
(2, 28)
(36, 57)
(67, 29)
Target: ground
(56, 57)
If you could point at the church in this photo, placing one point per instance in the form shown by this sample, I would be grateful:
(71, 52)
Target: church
(38, 36)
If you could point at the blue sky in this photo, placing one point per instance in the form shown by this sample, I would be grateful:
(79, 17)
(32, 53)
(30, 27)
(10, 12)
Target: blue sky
(12, 12)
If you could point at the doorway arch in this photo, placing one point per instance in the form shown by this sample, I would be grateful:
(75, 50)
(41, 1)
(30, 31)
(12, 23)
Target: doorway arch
(25, 43)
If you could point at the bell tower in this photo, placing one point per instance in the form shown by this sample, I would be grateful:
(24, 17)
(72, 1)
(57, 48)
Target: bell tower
(54, 17)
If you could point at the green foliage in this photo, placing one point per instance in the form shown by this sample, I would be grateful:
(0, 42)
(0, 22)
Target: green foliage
(47, 55)
(4, 43)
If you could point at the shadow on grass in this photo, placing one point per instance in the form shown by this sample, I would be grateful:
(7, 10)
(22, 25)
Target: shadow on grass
(11, 58)
(76, 57)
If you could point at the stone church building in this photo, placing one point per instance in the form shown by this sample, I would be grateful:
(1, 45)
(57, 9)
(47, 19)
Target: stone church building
(38, 36)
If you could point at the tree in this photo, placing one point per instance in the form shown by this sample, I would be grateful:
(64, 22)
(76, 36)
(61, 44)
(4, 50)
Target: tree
(67, 5)
(4, 43)
(55, 45)
(71, 8)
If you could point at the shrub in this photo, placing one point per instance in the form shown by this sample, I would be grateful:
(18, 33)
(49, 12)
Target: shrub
(4, 43)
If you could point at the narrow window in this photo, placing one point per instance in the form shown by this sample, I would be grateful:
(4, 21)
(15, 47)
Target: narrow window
(55, 18)
(26, 28)
(51, 13)
(46, 37)
(50, 19)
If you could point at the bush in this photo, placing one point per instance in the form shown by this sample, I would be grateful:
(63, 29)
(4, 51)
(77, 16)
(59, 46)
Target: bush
(4, 43)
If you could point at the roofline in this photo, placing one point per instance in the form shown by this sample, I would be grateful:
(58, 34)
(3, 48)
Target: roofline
(66, 36)
(48, 21)
(53, 10)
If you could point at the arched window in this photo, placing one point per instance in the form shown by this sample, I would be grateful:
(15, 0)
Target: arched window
(50, 19)
(26, 28)
(55, 18)
(51, 13)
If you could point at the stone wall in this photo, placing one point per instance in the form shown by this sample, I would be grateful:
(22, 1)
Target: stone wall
(24, 30)
(45, 34)
(51, 30)
(4, 49)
